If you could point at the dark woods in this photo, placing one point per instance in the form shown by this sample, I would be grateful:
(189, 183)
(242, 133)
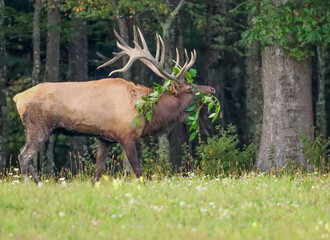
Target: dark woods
(274, 96)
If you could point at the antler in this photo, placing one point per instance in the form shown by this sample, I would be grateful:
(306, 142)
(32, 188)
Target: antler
(156, 64)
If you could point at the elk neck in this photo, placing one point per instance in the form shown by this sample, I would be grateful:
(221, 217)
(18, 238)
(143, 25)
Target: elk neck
(168, 110)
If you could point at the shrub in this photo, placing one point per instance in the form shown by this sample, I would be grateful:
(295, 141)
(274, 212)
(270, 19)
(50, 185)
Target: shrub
(151, 163)
(317, 152)
(221, 154)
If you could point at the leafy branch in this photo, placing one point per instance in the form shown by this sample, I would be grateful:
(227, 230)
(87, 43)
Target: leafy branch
(146, 105)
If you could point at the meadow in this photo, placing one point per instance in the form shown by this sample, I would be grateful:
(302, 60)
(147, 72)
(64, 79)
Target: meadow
(252, 206)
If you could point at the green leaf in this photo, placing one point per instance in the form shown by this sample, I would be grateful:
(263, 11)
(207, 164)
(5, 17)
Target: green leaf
(149, 116)
(136, 122)
(191, 108)
(192, 72)
(193, 135)
(209, 107)
(212, 115)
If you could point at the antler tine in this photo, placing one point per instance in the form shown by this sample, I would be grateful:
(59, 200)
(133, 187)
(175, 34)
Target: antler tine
(136, 40)
(177, 59)
(157, 49)
(126, 67)
(162, 56)
(192, 60)
(122, 42)
(111, 61)
(183, 69)
(144, 44)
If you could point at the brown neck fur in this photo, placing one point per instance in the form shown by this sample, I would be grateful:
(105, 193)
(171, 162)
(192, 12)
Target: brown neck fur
(168, 110)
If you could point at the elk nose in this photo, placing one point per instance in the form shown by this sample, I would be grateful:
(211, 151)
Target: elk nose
(213, 90)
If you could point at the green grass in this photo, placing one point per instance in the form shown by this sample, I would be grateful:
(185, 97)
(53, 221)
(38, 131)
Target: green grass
(194, 207)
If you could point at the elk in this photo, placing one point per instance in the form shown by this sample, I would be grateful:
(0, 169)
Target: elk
(105, 108)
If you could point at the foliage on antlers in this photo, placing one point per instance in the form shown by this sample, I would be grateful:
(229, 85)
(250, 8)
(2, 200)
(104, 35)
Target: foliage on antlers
(178, 76)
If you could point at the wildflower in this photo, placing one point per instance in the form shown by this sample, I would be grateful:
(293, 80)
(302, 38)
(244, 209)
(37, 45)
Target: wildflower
(182, 204)
(16, 169)
(61, 214)
(141, 179)
(62, 179)
(115, 184)
(97, 185)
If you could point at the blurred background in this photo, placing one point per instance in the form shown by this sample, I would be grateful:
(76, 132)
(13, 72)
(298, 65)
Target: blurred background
(53, 40)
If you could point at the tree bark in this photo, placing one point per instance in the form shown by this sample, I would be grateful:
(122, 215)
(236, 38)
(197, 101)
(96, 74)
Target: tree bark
(78, 51)
(53, 41)
(78, 71)
(170, 143)
(36, 43)
(36, 57)
(254, 100)
(321, 118)
(287, 113)
(211, 66)
(3, 101)
(52, 67)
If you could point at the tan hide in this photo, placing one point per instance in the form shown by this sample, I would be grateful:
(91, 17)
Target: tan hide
(104, 107)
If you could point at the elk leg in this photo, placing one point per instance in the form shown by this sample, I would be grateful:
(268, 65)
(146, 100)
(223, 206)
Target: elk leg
(34, 140)
(131, 153)
(103, 150)
(26, 160)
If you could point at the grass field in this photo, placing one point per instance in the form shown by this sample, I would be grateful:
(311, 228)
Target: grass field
(253, 206)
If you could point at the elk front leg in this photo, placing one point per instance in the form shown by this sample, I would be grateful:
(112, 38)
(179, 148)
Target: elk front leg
(131, 153)
(103, 150)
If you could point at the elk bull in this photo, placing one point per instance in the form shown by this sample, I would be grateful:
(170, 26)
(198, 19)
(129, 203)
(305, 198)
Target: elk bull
(104, 108)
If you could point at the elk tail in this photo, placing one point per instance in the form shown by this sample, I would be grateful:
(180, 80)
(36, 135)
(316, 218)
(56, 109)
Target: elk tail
(16, 97)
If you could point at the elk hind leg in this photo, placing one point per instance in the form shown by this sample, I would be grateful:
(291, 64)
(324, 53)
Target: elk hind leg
(131, 153)
(103, 150)
(35, 137)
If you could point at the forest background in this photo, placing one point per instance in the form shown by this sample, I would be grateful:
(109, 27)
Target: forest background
(268, 61)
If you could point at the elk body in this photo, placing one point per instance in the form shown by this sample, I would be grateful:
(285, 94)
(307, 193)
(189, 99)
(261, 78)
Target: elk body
(104, 108)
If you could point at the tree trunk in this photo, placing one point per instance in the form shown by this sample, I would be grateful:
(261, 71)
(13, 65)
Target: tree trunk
(78, 51)
(211, 74)
(170, 143)
(78, 71)
(321, 118)
(3, 101)
(52, 66)
(254, 100)
(36, 57)
(178, 134)
(287, 113)
(36, 43)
